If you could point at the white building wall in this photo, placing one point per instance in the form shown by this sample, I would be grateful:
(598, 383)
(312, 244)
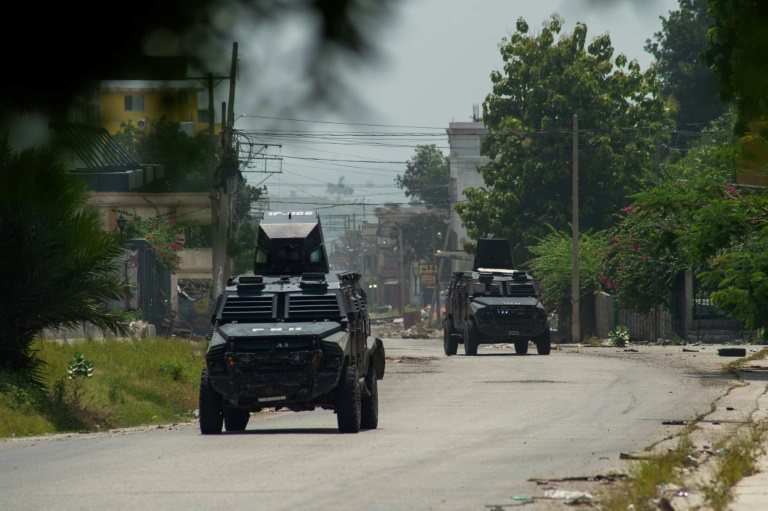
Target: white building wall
(464, 139)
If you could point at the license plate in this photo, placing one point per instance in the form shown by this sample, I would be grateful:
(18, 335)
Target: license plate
(514, 332)
(266, 399)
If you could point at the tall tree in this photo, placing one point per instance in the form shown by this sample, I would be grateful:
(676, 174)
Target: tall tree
(529, 114)
(426, 177)
(186, 159)
(737, 51)
(57, 267)
(684, 76)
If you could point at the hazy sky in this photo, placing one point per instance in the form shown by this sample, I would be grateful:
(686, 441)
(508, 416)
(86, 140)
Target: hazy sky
(437, 59)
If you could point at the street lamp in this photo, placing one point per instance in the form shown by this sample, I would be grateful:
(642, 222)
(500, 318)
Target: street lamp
(121, 223)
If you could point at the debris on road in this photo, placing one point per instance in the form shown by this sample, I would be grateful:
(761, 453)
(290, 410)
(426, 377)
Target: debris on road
(732, 352)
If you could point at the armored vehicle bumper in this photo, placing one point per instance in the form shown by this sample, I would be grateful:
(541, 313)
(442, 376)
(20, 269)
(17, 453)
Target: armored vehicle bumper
(280, 364)
(509, 319)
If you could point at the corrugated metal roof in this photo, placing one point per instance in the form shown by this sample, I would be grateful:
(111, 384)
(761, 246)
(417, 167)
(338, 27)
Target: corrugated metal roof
(95, 147)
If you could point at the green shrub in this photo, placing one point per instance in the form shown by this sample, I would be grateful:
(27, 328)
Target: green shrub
(619, 336)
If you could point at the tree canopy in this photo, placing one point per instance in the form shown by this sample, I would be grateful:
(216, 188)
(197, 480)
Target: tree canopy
(546, 79)
(187, 160)
(674, 226)
(683, 74)
(737, 51)
(426, 177)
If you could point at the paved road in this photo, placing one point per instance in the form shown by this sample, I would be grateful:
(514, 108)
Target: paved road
(455, 433)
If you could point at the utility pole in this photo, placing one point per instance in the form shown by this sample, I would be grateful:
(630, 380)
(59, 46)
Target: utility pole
(224, 188)
(576, 308)
(402, 278)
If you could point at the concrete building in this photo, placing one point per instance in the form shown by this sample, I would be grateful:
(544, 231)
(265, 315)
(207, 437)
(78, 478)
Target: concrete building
(142, 102)
(464, 139)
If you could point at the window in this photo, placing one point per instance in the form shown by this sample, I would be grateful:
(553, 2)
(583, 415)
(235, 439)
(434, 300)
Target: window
(134, 103)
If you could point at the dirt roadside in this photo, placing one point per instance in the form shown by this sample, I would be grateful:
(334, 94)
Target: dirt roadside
(737, 411)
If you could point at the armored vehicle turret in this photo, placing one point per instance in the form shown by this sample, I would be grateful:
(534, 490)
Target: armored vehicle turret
(494, 303)
(291, 335)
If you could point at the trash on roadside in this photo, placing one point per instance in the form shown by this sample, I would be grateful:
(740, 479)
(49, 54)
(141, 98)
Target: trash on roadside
(730, 408)
(569, 495)
(732, 352)
(674, 423)
(635, 456)
(685, 350)
(721, 452)
(519, 499)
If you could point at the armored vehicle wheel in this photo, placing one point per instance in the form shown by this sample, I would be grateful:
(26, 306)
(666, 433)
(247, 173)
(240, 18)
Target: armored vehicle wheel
(369, 404)
(450, 343)
(211, 418)
(543, 343)
(236, 420)
(470, 338)
(348, 406)
(521, 347)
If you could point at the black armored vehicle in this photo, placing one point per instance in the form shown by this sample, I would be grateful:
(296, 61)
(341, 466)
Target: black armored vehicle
(293, 335)
(494, 303)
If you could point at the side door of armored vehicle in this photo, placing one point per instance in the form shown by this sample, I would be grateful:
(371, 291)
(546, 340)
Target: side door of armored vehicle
(461, 303)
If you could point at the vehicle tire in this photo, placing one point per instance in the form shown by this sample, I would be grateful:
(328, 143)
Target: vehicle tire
(450, 343)
(543, 343)
(369, 405)
(521, 347)
(348, 406)
(470, 338)
(236, 419)
(211, 418)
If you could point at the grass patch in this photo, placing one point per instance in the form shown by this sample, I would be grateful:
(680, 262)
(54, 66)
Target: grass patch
(648, 477)
(593, 341)
(134, 382)
(737, 458)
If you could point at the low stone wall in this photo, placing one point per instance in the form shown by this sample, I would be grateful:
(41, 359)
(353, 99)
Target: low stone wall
(138, 330)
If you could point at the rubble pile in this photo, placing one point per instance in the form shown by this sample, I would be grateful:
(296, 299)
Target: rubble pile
(393, 328)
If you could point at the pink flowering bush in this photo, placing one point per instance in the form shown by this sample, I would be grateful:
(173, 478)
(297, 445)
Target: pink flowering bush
(641, 256)
(166, 239)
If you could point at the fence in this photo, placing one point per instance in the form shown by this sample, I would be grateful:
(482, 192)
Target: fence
(642, 327)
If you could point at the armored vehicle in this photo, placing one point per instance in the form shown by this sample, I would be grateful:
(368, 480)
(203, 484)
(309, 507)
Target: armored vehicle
(494, 303)
(293, 335)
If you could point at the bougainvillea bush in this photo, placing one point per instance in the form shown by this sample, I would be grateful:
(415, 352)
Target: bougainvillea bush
(166, 239)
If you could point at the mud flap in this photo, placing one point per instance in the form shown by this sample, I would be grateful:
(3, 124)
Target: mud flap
(377, 356)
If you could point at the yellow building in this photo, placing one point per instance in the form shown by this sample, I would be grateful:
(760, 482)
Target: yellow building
(143, 102)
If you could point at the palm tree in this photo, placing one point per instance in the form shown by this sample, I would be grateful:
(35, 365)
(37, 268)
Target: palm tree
(339, 189)
(57, 267)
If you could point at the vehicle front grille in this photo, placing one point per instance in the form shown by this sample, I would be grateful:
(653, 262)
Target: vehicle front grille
(511, 315)
(522, 290)
(244, 308)
(274, 354)
(313, 307)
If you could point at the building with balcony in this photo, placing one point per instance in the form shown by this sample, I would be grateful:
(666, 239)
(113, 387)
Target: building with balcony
(142, 102)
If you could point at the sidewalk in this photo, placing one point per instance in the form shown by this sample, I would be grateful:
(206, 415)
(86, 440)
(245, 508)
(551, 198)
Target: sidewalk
(752, 492)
